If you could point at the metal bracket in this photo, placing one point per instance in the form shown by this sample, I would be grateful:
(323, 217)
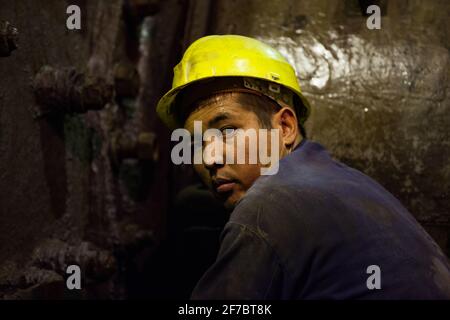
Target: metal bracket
(9, 37)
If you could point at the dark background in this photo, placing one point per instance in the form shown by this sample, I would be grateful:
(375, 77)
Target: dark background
(92, 183)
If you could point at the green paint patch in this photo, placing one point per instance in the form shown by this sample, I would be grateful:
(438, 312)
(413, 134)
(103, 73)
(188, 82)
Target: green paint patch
(82, 142)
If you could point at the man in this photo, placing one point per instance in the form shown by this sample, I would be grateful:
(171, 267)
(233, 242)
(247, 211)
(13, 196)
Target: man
(314, 228)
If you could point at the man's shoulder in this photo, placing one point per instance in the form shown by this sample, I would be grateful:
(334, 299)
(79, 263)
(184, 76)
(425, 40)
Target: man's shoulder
(264, 196)
(270, 205)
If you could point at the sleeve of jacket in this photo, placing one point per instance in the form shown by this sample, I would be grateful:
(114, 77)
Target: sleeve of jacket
(246, 268)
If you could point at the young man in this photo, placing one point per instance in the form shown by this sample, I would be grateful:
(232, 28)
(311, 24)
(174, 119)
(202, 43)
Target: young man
(311, 228)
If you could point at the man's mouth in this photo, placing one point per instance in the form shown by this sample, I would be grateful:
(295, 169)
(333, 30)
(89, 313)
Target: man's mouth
(222, 185)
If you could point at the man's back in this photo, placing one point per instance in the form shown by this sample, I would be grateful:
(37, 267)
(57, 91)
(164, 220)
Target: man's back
(312, 230)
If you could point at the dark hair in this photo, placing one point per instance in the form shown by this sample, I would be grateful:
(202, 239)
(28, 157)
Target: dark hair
(265, 107)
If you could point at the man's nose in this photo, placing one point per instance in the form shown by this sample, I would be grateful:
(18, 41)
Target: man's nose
(213, 158)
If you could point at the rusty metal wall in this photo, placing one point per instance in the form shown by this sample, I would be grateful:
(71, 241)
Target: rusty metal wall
(83, 159)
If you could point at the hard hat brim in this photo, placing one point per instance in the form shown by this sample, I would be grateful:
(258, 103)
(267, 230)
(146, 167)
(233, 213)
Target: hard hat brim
(167, 104)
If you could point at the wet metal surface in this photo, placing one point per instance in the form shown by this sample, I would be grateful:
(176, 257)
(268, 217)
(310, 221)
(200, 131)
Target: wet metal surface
(63, 201)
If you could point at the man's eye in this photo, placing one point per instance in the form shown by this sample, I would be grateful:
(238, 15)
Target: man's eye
(195, 147)
(228, 131)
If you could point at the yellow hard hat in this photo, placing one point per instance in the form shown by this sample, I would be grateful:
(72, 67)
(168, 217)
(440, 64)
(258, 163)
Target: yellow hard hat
(228, 56)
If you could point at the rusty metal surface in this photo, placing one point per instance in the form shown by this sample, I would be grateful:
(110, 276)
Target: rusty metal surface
(64, 199)
(68, 91)
(9, 36)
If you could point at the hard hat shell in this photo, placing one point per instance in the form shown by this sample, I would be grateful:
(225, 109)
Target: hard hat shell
(227, 56)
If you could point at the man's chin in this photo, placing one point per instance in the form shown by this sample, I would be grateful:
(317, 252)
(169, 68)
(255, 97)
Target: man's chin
(229, 201)
(229, 205)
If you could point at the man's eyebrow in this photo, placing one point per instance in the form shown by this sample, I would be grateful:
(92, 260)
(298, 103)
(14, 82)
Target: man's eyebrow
(221, 116)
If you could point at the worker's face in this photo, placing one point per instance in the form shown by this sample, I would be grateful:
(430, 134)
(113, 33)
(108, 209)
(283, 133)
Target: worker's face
(228, 181)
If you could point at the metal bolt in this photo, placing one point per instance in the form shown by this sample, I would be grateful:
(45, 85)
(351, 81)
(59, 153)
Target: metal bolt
(69, 91)
(126, 80)
(143, 147)
(56, 255)
(147, 146)
(9, 37)
(134, 238)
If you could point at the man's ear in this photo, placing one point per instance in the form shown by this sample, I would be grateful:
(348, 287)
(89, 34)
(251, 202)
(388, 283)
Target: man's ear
(286, 120)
